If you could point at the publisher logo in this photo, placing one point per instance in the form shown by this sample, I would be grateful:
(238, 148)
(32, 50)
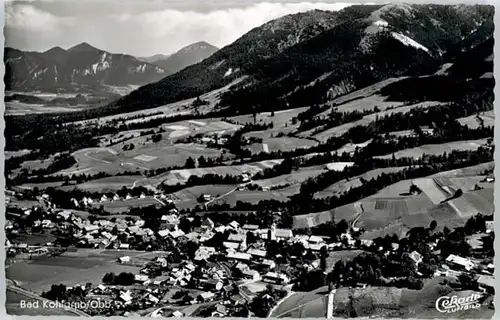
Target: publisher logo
(452, 304)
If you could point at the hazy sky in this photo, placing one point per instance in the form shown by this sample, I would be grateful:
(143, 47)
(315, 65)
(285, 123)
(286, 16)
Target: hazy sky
(140, 27)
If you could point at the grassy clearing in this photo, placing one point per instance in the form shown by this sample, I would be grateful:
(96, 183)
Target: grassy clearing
(253, 197)
(184, 129)
(342, 186)
(188, 198)
(18, 153)
(366, 92)
(366, 120)
(295, 177)
(437, 149)
(38, 164)
(364, 104)
(474, 121)
(122, 206)
(283, 144)
(468, 171)
(108, 184)
(41, 186)
(182, 175)
(280, 118)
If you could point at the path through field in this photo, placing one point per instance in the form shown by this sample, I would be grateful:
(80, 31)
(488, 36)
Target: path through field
(225, 194)
(359, 208)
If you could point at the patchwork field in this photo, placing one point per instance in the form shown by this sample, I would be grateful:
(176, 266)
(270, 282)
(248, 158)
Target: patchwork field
(437, 149)
(143, 157)
(70, 268)
(394, 210)
(181, 176)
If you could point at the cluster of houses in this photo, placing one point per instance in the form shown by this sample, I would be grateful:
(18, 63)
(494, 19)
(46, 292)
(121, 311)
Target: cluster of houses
(212, 275)
(86, 202)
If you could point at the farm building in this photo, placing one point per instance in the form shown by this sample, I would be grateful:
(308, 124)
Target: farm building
(268, 264)
(251, 227)
(212, 285)
(251, 274)
(124, 259)
(206, 296)
(460, 262)
(231, 245)
(239, 256)
(316, 246)
(416, 257)
(233, 224)
(177, 314)
(257, 253)
(240, 239)
(273, 277)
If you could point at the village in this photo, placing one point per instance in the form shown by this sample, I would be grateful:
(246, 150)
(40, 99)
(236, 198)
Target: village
(217, 269)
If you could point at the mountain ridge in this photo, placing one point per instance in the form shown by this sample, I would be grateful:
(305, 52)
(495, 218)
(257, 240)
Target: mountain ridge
(81, 67)
(264, 49)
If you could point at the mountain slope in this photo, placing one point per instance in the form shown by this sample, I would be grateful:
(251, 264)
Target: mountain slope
(348, 49)
(212, 73)
(78, 68)
(186, 56)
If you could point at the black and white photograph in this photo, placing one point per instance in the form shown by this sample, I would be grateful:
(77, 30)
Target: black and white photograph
(249, 159)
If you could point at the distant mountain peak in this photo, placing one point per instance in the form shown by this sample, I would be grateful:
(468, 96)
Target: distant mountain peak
(200, 45)
(56, 49)
(84, 46)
